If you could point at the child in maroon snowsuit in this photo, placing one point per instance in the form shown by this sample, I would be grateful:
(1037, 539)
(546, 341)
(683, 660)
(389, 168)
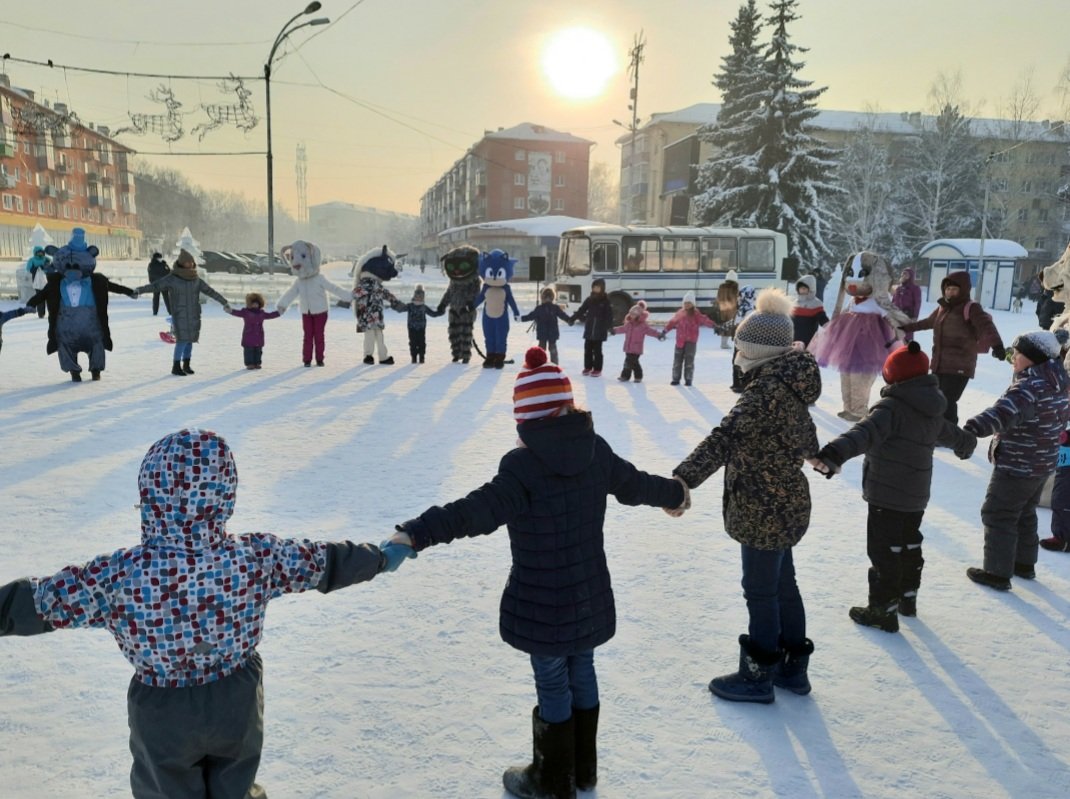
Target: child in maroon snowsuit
(252, 335)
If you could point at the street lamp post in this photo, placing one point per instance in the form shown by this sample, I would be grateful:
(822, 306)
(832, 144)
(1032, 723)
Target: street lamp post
(311, 8)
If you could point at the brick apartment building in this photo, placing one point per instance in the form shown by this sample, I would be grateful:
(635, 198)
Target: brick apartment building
(515, 173)
(60, 173)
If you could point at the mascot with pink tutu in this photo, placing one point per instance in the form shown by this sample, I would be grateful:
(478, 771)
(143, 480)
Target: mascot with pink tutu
(859, 338)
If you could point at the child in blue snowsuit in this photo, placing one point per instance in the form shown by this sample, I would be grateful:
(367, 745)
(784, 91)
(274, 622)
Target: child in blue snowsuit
(417, 322)
(545, 317)
(187, 609)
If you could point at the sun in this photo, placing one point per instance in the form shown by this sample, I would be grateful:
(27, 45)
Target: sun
(578, 62)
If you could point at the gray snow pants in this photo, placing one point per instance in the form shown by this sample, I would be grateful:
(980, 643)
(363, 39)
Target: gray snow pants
(201, 742)
(78, 330)
(683, 358)
(1009, 516)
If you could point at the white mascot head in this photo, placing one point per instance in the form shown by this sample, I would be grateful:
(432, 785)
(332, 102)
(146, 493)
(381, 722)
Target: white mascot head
(303, 258)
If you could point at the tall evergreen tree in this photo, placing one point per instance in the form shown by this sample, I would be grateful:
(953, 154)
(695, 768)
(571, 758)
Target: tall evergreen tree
(778, 175)
(942, 182)
(741, 81)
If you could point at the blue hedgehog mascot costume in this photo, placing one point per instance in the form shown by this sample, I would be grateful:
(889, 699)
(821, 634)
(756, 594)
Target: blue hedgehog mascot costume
(77, 300)
(496, 269)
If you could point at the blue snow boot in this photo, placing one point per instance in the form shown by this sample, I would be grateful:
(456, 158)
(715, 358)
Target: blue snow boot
(790, 671)
(754, 680)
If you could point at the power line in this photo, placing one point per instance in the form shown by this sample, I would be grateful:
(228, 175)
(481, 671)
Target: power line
(52, 65)
(132, 41)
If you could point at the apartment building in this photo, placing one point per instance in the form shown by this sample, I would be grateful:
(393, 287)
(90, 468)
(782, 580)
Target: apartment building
(516, 173)
(59, 172)
(344, 230)
(1030, 161)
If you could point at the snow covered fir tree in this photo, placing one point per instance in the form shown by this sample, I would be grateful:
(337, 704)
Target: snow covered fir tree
(769, 171)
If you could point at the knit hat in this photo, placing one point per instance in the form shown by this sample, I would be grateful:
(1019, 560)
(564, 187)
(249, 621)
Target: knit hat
(541, 389)
(732, 276)
(767, 331)
(1037, 345)
(638, 312)
(905, 363)
(689, 297)
(418, 293)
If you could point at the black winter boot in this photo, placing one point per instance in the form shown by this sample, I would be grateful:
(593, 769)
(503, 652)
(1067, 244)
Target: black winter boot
(754, 680)
(790, 672)
(883, 618)
(499, 362)
(176, 369)
(586, 722)
(908, 605)
(76, 377)
(552, 771)
(185, 367)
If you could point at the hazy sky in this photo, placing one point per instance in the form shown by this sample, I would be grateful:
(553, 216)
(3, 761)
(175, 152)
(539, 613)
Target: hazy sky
(414, 83)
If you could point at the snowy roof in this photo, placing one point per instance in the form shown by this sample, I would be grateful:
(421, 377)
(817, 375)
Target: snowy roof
(532, 226)
(970, 248)
(891, 122)
(526, 131)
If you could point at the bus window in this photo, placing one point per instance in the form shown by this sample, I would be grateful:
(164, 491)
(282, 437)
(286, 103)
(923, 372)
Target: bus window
(758, 255)
(680, 255)
(718, 255)
(576, 255)
(641, 254)
(606, 258)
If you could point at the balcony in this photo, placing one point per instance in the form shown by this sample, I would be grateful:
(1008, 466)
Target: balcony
(61, 141)
(94, 199)
(104, 157)
(7, 149)
(63, 169)
(105, 179)
(8, 181)
(49, 191)
(44, 163)
(126, 181)
(92, 177)
(107, 203)
(63, 196)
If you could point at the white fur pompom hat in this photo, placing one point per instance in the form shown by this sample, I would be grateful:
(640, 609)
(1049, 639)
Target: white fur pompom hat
(767, 331)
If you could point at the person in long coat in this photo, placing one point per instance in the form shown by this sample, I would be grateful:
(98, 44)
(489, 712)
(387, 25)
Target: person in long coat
(158, 270)
(185, 286)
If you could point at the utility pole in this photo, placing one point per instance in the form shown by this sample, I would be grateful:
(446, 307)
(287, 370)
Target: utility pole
(984, 232)
(635, 56)
(301, 170)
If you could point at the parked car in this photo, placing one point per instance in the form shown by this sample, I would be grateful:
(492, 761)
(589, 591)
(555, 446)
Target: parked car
(225, 262)
(274, 265)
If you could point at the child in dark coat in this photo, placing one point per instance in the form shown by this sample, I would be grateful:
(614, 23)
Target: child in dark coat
(252, 334)
(545, 317)
(761, 443)
(597, 316)
(417, 322)
(195, 703)
(808, 315)
(897, 437)
(557, 606)
(1026, 424)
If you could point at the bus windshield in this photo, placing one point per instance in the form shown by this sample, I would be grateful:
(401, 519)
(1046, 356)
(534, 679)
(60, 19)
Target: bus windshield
(576, 258)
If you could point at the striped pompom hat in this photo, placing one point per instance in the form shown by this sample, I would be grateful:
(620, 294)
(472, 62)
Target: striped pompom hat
(542, 389)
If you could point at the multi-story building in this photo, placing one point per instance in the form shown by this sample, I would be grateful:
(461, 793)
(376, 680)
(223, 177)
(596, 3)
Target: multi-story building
(343, 230)
(515, 173)
(61, 173)
(1031, 160)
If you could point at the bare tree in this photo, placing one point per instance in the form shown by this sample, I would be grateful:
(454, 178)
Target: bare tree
(603, 194)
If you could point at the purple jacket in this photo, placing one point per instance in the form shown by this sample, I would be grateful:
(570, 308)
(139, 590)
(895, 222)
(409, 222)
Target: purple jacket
(252, 334)
(634, 333)
(907, 297)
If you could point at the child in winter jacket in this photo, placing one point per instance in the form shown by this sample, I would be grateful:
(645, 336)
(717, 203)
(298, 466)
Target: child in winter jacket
(7, 316)
(635, 329)
(897, 437)
(808, 315)
(545, 316)
(417, 322)
(187, 609)
(252, 334)
(761, 443)
(551, 493)
(907, 298)
(597, 316)
(686, 322)
(1026, 422)
(1059, 541)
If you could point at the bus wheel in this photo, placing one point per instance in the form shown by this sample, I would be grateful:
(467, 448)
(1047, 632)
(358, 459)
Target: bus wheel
(620, 303)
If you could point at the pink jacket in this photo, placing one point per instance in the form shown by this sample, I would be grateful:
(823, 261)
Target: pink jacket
(634, 333)
(686, 326)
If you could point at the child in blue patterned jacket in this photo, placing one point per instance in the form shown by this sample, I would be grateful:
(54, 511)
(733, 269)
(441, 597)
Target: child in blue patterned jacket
(187, 609)
(7, 316)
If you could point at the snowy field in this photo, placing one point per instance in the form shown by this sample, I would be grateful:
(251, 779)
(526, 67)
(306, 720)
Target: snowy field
(401, 687)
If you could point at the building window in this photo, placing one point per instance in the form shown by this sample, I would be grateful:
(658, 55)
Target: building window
(518, 203)
(1027, 186)
(519, 179)
(18, 203)
(1040, 244)
(1042, 215)
(26, 147)
(559, 181)
(8, 202)
(559, 156)
(66, 212)
(559, 204)
(999, 184)
(520, 155)
(29, 206)
(1023, 214)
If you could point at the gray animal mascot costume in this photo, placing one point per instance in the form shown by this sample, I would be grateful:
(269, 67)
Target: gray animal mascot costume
(77, 301)
(461, 265)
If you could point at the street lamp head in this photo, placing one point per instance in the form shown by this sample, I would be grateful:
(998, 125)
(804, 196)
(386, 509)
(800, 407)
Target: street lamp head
(313, 7)
(319, 21)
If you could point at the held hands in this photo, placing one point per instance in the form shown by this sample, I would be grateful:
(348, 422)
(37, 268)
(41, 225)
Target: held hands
(678, 511)
(516, 317)
(135, 295)
(999, 352)
(227, 309)
(394, 554)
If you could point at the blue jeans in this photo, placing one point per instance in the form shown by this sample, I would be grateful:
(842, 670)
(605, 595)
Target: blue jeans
(183, 350)
(776, 609)
(563, 683)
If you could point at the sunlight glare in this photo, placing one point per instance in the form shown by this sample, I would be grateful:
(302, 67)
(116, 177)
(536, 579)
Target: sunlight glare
(578, 62)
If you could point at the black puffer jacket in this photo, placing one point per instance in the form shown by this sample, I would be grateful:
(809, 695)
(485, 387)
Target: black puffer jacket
(552, 495)
(897, 437)
(761, 443)
(597, 316)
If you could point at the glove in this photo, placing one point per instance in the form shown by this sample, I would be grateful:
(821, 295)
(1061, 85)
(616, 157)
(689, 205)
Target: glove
(135, 295)
(226, 308)
(661, 337)
(678, 511)
(394, 555)
(830, 459)
(965, 449)
(999, 352)
(516, 317)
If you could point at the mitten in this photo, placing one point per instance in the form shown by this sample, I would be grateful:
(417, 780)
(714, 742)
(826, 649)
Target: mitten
(999, 352)
(965, 449)
(661, 336)
(394, 554)
(227, 308)
(135, 295)
(828, 456)
(516, 317)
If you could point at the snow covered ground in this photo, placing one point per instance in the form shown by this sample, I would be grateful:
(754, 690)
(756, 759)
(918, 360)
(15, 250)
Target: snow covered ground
(401, 687)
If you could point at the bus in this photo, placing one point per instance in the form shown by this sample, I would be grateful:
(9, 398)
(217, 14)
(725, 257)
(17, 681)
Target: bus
(661, 264)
